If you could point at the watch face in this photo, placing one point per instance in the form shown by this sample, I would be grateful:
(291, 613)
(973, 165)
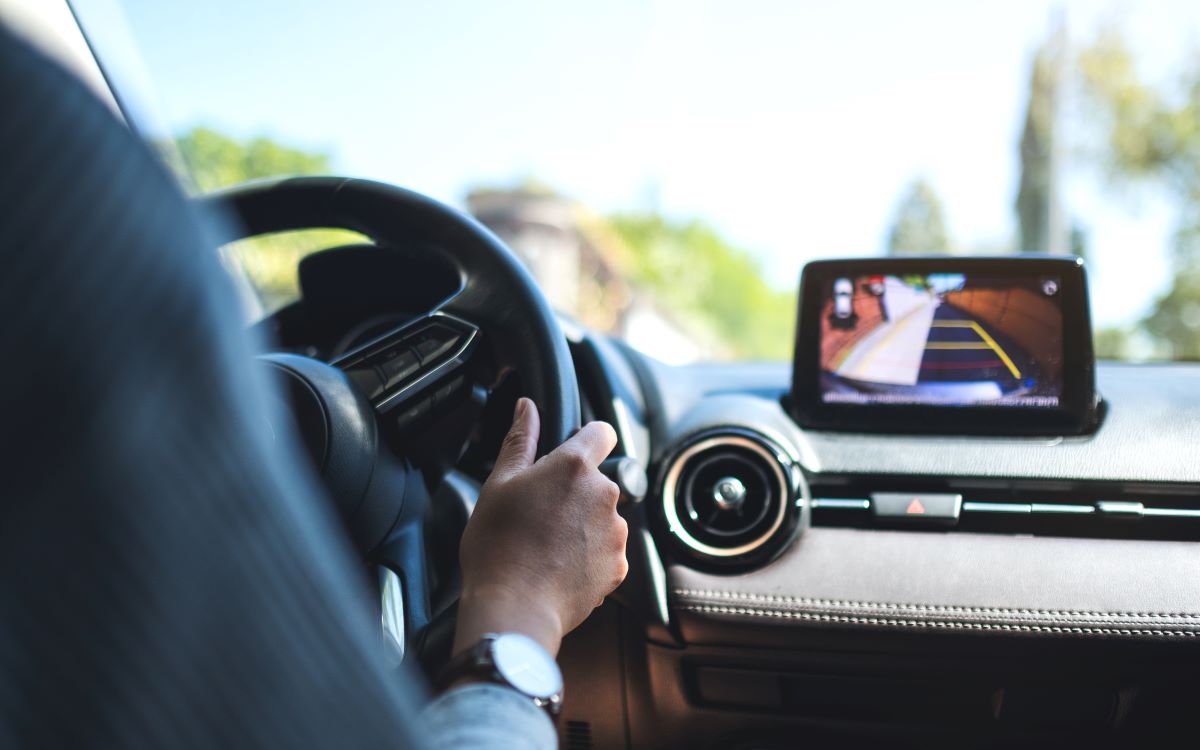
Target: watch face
(525, 665)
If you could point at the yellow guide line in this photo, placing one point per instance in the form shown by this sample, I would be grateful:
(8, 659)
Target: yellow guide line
(992, 343)
(954, 345)
(953, 324)
(988, 342)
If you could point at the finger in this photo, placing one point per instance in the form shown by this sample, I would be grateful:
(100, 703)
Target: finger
(593, 443)
(612, 492)
(520, 444)
(620, 574)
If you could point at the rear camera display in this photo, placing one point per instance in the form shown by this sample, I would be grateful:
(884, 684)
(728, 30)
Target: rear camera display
(948, 339)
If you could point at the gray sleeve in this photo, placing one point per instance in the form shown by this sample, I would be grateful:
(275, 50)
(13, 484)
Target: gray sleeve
(170, 573)
(488, 716)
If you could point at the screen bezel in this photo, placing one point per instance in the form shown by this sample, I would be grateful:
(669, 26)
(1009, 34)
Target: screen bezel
(1078, 404)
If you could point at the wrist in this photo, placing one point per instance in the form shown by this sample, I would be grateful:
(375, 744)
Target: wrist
(499, 609)
(511, 660)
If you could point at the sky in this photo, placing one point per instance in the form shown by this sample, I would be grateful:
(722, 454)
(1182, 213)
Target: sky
(792, 127)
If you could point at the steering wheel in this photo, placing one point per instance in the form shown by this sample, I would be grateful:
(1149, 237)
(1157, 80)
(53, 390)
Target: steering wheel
(352, 412)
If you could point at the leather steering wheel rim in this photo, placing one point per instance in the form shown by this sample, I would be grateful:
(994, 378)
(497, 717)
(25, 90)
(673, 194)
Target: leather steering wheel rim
(496, 293)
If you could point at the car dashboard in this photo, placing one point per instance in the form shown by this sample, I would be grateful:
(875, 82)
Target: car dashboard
(1045, 591)
(913, 590)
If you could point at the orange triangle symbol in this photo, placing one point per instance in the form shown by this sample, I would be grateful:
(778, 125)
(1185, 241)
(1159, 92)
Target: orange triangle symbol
(915, 508)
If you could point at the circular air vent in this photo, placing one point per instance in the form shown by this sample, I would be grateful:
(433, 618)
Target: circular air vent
(731, 496)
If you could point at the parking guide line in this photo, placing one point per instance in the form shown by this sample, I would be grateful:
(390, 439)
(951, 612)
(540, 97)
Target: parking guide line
(996, 348)
(954, 345)
(988, 342)
(953, 323)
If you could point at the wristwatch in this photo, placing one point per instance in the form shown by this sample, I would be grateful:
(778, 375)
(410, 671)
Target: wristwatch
(514, 660)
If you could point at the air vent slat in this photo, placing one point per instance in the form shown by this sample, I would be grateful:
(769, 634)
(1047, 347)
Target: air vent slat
(579, 735)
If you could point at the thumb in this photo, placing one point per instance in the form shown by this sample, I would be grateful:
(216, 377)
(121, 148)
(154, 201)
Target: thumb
(520, 444)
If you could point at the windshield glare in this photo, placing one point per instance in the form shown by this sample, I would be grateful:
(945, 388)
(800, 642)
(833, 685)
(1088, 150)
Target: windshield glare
(666, 168)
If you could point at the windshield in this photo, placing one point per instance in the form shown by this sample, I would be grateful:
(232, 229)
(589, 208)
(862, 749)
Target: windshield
(666, 168)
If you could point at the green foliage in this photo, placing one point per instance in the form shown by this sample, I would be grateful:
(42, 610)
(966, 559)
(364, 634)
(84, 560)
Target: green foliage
(695, 273)
(1153, 136)
(271, 262)
(1111, 343)
(1176, 316)
(207, 160)
(920, 224)
(691, 271)
(1148, 135)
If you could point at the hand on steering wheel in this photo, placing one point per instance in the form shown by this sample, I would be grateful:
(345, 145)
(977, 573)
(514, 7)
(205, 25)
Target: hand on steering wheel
(536, 538)
(545, 544)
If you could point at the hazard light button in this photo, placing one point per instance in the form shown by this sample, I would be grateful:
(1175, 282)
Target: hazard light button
(934, 508)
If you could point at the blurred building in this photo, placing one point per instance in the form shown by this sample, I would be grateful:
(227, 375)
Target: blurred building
(541, 228)
(582, 266)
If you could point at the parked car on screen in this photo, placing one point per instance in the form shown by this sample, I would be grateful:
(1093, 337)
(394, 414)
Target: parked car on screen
(843, 315)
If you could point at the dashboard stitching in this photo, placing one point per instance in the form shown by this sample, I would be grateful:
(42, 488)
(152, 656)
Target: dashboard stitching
(851, 619)
(947, 609)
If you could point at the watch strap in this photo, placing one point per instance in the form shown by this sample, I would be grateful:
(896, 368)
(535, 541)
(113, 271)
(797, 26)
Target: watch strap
(473, 662)
(478, 662)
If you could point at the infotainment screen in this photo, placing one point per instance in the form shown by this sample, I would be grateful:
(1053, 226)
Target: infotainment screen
(942, 338)
(945, 344)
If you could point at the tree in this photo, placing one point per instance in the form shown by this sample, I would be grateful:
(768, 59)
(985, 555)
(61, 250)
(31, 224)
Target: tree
(205, 160)
(1152, 136)
(1175, 318)
(696, 273)
(1111, 342)
(1039, 210)
(615, 273)
(687, 266)
(920, 224)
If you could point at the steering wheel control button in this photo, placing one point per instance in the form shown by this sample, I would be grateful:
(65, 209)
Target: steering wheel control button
(415, 411)
(366, 378)
(933, 508)
(434, 343)
(446, 393)
(398, 364)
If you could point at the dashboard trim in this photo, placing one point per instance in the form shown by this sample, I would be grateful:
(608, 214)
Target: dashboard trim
(893, 622)
(893, 580)
(945, 609)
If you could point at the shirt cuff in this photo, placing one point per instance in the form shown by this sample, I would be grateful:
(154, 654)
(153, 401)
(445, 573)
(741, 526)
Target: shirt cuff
(487, 715)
